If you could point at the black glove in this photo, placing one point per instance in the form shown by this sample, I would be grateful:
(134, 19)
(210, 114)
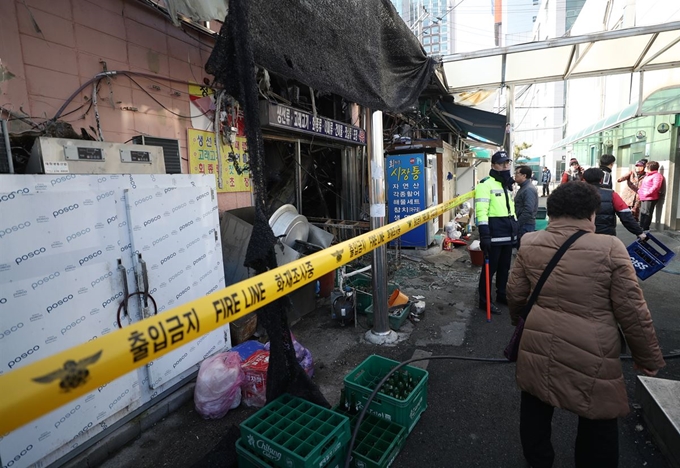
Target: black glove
(485, 243)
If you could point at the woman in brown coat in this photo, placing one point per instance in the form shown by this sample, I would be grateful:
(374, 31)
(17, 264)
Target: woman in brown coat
(569, 353)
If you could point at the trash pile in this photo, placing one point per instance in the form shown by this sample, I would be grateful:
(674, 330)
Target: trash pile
(239, 375)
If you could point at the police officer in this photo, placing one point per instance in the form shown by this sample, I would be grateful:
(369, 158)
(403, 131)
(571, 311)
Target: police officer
(497, 226)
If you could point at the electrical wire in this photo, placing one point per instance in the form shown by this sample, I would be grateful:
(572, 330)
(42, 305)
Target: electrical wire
(377, 388)
(160, 103)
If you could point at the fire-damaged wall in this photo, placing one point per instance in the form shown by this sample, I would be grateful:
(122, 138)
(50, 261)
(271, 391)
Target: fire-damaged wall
(48, 50)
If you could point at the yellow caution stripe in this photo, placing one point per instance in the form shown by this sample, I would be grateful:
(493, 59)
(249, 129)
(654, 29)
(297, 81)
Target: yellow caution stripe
(38, 388)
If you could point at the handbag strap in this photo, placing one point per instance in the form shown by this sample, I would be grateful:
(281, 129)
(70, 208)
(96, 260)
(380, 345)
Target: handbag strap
(544, 277)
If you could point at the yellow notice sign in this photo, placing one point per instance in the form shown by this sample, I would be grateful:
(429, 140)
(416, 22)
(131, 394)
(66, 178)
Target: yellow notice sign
(235, 173)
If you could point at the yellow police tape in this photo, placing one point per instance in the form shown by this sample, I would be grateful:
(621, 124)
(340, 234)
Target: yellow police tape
(38, 388)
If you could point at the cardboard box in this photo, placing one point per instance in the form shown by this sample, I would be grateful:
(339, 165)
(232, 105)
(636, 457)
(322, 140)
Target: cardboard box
(242, 329)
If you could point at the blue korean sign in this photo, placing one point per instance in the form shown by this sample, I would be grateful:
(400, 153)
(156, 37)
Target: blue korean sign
(289, 118)
(405, 180)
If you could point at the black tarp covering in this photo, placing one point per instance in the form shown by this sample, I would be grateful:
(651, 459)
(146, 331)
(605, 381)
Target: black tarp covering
(487, 125)
(359, 49)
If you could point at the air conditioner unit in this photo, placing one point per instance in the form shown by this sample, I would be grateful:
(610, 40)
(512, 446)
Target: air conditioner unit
(171, 151)
(6, 163)
(67, 156)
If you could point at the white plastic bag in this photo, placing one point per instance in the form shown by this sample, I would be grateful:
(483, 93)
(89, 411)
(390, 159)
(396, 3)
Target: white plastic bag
(218, 386)
(475, 245)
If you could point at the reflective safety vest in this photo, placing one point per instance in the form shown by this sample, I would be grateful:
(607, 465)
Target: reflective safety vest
(495, 211)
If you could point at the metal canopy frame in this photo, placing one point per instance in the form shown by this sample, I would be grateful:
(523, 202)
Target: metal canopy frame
(611, 52)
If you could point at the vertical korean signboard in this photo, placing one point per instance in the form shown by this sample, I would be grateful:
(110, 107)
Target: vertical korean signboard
(405, 181)
(203, 160)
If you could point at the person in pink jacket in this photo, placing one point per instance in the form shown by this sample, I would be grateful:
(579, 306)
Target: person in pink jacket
(650, 191)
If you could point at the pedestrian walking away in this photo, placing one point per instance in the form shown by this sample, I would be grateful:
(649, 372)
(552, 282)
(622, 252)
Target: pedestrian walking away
(497, 225)
(650, 191)
(546, 178)
(630, 190)
(575, 172)
(569, 352)
(607, 164)
(611, 206)
(526, 202)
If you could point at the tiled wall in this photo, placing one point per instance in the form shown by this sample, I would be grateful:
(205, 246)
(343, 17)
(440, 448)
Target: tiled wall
(54, 47)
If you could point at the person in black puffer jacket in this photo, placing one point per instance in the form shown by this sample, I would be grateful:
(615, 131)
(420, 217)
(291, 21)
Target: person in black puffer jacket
(611, 206)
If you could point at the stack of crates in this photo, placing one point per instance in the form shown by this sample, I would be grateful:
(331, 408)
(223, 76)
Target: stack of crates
(293, 433)
(389, 419)
(363, 299)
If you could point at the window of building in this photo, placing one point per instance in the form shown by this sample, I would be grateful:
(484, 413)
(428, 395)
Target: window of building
(536, 2)
(427, 49)
(426, 40)
(435, 48)
(435, 30)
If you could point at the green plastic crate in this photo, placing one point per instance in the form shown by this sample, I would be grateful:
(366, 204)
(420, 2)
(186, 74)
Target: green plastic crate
(378, 441)
(395, 320)
(359, 385)
(293, 433)
(247, 459)
(363, 299)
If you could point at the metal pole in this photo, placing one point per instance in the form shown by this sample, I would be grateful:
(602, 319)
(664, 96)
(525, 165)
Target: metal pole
(298, 176)
(510, 122)
(374, 125)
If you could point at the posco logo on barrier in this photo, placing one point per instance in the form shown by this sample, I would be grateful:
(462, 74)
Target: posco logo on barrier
(72, 325)
(202, 257)
(152, 220)
(77, 235)
(172, 255)
(183, 226)
(23, 356)
(83, 431)
(60, 302)
(101, 278)
(66, 209)
(111, 219)
(59, 180)
(12, 195)
(143, 200)
(119, 397)
(11, 229)
(175, 276)
(179, 207)
(111, 299)
(18, 457)
(198, 239)
(203, 195)
(159, 240)
(104, 195)
(35, 253)
(66, 416)
(12, 329)
(180, 360)
(46, 279)
(84, 260)
(183, 292)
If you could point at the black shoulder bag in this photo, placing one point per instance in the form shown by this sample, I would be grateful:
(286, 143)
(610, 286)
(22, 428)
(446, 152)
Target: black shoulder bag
(513, 347)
